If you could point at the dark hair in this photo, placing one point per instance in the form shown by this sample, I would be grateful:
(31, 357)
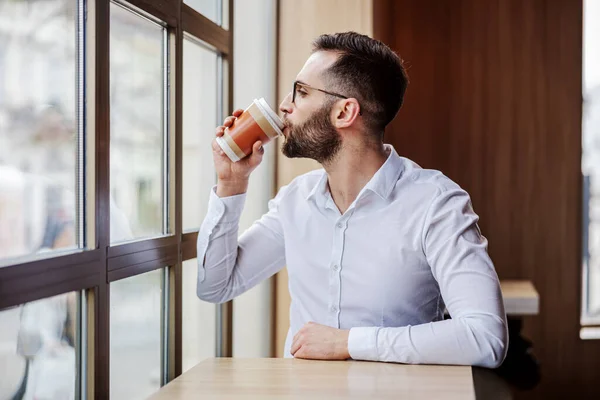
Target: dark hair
(368, 70)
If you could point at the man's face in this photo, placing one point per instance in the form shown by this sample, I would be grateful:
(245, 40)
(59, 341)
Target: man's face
(309, 131)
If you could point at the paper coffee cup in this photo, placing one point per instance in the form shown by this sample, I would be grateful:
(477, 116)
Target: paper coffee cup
(257, 122)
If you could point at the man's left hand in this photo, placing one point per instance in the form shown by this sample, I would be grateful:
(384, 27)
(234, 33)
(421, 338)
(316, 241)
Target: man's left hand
(319, 342)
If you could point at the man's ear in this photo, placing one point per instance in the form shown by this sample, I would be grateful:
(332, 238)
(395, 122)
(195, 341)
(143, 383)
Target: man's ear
(346, 113)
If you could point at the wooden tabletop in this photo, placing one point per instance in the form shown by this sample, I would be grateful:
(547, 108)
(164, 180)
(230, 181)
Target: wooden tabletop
(520, 297)
(279, 378)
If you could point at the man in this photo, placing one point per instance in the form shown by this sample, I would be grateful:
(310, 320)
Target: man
(376, 247)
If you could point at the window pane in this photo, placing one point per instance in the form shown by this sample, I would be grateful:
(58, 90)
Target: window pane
(38, 126)
(137, 106)
(199, 320)
(200, 107)
(225, 17)
(136, 306)
(591, 156)
(209, 8)
(37, 349)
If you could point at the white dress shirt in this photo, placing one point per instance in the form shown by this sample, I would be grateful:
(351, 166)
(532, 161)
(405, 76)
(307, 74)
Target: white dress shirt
(407, 248)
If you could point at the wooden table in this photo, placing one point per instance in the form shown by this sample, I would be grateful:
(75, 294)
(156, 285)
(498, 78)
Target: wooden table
(520, 298)
(278, 378)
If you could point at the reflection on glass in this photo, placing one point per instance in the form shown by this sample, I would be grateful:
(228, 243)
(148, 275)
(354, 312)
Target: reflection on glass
(591, 153)
(136, 306)
(199, 320)
(37, 349)
(137, 106)
(200, 100)
(38, 126)
(209, 8)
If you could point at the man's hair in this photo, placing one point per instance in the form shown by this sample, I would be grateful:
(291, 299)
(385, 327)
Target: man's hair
(369, 71)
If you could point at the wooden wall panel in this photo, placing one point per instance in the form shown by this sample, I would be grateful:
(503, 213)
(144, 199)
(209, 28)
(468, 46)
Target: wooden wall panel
(495, 103)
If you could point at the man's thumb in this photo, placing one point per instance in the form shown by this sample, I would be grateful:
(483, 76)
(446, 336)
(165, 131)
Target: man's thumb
(257, 153)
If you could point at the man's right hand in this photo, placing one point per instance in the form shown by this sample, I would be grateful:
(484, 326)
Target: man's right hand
(233, 176)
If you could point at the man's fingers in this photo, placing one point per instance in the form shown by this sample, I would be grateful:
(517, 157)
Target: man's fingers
(229, 121)
(302, 352)
(257, 154)
(295, 346)
(219, 131)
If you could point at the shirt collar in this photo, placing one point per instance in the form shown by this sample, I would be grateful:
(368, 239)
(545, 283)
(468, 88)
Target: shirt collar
(382, 183)
(320, 188)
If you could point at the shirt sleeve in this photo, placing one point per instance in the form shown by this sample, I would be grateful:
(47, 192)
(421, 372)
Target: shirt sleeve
(228, 266)
(477, 332)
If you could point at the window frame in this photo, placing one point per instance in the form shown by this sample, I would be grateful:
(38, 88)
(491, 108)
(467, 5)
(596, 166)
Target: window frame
(94, 267)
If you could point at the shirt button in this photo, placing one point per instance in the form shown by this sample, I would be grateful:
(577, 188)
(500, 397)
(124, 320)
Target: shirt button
(340, 225)
(333, 309)
(335, 267)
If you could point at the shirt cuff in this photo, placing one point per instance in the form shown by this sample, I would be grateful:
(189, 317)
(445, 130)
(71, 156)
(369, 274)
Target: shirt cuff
(226, 209)
(362, 343)
(220, 210)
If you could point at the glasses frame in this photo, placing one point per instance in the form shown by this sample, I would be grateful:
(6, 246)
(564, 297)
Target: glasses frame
(298, 83)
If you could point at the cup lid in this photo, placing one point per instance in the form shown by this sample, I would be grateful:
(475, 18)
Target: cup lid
(272, 114)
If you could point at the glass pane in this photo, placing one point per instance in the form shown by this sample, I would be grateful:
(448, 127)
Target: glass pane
(38, 349)
(591, 154)
(38, 126)
(199, 320)
(225, 17)
(137, 107)
(136, 306)
(211, 9)
(200, 107)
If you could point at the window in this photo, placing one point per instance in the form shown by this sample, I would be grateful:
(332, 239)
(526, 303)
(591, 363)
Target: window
(137, 122)
(200, 117)
(215, 10)
(136, 321)
(199, 320)
(38, 349)
(39, 131)
(92, 197)
(591, 164)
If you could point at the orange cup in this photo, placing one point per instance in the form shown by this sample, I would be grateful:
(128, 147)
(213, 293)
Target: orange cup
(257, 122)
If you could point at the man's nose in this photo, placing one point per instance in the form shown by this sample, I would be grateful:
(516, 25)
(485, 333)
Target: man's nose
(286, 105)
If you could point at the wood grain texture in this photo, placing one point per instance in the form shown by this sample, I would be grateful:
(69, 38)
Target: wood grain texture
(300, 22)
(495, 103)
(276, 378)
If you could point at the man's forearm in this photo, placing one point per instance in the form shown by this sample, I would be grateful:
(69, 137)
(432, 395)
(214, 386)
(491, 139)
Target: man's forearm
(479, 340)
(231, 188)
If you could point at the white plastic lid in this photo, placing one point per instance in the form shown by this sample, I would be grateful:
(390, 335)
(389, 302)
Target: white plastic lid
(274, 117)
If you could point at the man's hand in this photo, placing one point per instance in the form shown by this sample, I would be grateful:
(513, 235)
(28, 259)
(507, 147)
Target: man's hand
(320, 342)
(232, 178)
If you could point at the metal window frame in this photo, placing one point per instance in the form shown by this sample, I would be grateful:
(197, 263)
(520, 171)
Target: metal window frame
(93, 268)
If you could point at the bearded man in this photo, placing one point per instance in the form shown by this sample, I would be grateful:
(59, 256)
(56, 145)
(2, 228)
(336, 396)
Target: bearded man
(377, 248)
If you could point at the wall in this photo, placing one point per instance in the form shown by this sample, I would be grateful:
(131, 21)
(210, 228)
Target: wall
(254, 77)
(495, 103)
(300, 22)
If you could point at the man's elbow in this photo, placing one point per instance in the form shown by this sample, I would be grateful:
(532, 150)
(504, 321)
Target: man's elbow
(487, 339)
(210, 291)
(493, 336)
(212, 296)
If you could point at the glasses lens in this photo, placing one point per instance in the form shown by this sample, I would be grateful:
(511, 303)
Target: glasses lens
(294, 92)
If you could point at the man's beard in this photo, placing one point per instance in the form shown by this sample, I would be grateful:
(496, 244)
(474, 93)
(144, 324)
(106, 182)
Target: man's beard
(315, 138)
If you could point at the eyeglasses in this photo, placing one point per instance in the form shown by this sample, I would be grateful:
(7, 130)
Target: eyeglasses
(295, 90)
